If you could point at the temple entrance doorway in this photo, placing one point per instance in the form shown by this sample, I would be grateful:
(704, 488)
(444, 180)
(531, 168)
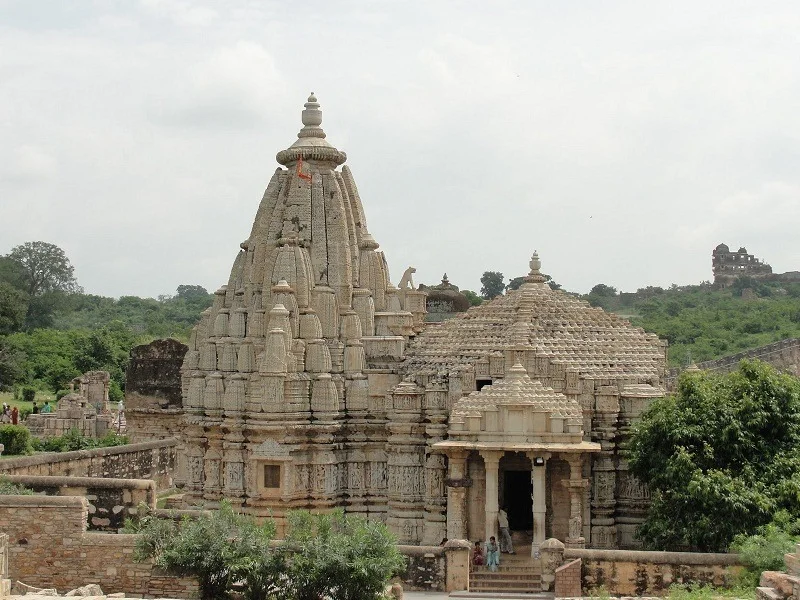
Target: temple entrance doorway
(517, 490)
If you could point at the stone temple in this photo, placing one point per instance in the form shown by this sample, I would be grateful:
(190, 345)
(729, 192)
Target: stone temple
(313, 382)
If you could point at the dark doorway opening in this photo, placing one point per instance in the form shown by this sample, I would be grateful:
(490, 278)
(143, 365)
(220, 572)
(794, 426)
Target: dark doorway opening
(479, 383)
(517, 490)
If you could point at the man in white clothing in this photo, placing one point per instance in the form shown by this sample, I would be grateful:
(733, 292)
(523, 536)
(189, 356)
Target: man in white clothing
(505, 535)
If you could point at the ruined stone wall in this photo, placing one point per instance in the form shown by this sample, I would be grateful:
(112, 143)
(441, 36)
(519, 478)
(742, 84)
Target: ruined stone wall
(148, 460)
(783, 355)
(110, 500)
(153, 390)
(49, 547)
(638, 573)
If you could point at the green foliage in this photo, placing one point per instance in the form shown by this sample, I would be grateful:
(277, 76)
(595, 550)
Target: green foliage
(707, 592)
(339, 556)
(75, 440)
(45, 268)
(474, 299)
(708, 322)
(764, 550)
(332, 555)
(56, 357)
(61, 393)
(28, 394)
(11, 361)
(514, 284)
(13, 489)
(723, 445)
(13, 308)
(492, 284)
(16, 439)
(219, 549)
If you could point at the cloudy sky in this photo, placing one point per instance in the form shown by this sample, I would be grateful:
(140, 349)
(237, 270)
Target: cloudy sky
(623, 140)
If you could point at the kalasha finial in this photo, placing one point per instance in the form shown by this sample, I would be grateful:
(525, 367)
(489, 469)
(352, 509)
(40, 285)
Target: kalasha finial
(535, 276)
(312, 119)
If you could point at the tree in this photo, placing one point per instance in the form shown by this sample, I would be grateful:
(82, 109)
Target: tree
(514, 284)
(13, 308)
(492, 284)
(724, 445)
(11, 364)
(45, 268)
(193, 293)
(338, 556)
(219, 549)
(474, 299)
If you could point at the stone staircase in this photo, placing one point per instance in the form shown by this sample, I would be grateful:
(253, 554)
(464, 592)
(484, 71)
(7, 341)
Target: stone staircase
(517, 574)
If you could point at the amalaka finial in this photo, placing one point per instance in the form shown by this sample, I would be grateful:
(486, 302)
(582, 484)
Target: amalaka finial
(535, 275)
(312, 119)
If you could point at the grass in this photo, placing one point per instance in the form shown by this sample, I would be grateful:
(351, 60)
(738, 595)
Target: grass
(41, 397)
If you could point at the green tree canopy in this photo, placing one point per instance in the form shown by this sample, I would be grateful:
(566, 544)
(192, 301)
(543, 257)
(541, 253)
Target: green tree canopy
(474, 299)
(720, 458)
(45, 268)
(13, 308)
(492, 284)
(193, 293)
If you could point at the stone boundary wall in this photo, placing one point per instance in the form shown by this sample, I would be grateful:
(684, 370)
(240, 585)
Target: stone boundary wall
(642, 573)
(568, 580)
(49, 547)
(110, 500)
(154, 460)
(783, 355)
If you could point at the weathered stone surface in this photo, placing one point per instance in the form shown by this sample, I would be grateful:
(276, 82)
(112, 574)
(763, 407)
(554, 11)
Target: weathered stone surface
(153, 390)
(85, 409)
(312, 381)
(91, 589)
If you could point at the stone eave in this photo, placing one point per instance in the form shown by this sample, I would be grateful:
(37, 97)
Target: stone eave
(573, 447)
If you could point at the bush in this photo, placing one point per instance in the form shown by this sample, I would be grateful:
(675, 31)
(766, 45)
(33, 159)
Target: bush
(28, 394)
(61, 393)
(764, 551)
(16, 439)
(219, 549)
(12, 489)
(75, 440)
(115, 393)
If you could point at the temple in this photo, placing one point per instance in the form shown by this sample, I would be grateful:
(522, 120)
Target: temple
(313, 382)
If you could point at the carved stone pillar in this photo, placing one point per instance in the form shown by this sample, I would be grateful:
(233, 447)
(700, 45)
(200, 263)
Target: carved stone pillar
(491, 461)
(538, 479)
(576, 486)
(457, 484)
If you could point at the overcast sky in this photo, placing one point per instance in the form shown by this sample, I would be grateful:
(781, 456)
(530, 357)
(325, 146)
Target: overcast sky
(623, 140)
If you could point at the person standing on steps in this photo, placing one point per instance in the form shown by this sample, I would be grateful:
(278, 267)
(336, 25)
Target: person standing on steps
(505, 534)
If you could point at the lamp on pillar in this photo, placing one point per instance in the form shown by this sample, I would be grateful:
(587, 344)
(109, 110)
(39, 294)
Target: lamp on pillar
(539, 461)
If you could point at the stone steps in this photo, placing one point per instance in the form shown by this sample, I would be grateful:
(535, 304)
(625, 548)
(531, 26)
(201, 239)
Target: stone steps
(511, 579)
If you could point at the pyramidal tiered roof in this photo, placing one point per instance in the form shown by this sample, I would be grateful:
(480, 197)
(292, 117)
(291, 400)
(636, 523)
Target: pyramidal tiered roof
(564, 329)
(518, 389)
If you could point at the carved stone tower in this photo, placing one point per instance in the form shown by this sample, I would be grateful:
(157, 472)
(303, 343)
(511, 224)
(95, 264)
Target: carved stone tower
(285, 377)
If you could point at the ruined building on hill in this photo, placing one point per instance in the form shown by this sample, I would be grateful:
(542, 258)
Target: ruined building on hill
(728, 266)
(313, 382)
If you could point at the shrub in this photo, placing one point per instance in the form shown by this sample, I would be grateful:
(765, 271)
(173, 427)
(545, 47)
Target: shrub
(61, 393)
(12, 489)
(16, 439)
(115, 393)
(764, 551)
(218, 549)
(28, 394)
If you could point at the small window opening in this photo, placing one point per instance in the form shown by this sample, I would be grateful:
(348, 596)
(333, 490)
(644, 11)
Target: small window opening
(272, 476)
